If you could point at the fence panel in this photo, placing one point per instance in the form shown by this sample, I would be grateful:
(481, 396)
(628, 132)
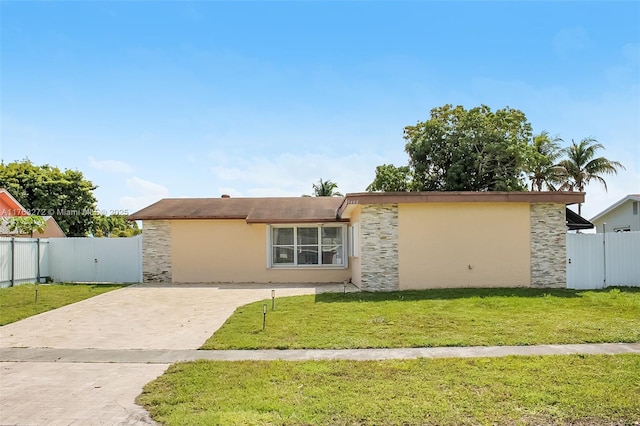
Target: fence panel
(585, 265)
(25, 260)
(603, 260)
(19, 260)
(5, 262)
(96, 259)
(623, 258)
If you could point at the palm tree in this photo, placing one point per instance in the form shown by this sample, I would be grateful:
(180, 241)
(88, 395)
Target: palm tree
(326, 189)
(581, 166)
(541, 166)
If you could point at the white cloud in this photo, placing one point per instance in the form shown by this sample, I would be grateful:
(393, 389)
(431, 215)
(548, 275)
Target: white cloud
(569, 40)
(148, 193)
(110, 166)
(293, 174)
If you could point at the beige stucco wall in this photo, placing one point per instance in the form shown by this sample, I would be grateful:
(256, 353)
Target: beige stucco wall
(464, 245)
(233, 251)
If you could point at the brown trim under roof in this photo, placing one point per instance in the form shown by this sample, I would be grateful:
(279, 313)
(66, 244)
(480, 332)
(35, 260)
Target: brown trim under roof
(559, 197)
(292, 221)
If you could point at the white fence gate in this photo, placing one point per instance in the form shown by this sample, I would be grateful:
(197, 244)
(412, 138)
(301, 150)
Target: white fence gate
(603, 260)
(70, 260)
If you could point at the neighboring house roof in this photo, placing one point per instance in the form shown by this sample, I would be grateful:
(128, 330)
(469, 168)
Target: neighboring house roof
(9, 206)
(253, 210)
(51, 229)
(324, 209)
(630, 197)
(575, 221)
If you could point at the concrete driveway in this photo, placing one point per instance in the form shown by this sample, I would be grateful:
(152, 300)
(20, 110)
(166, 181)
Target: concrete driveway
(137, 317)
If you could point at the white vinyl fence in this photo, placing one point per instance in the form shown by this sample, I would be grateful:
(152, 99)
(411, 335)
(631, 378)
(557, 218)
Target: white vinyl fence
(23, 260)
(603, 260)
(70, 260)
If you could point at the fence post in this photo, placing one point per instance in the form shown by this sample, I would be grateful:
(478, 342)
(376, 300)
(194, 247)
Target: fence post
(38, 261)
(13, 260)
(604, 254)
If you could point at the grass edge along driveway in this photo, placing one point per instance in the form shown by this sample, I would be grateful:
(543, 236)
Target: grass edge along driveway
(559, 389)
(19, 302)
(430, 318)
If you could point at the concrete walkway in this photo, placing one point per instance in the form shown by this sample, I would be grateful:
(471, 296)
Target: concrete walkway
(169, 356)
(84, 364)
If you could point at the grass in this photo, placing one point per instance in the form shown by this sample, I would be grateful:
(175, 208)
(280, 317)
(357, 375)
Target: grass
(448, 317)
(18, 302)
(571, 389)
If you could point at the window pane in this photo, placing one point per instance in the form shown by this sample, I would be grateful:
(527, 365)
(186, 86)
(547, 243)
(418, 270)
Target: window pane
(282, 236)
(307, 255)
(331, 235)
(332, 255)
(307, 236)
(282, 255)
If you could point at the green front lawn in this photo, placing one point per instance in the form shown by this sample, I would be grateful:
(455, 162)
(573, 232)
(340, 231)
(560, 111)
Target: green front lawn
(18, 302)
(448, 317)
(572, 389)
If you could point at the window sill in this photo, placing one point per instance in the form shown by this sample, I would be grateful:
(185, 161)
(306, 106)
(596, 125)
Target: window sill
(306, 267)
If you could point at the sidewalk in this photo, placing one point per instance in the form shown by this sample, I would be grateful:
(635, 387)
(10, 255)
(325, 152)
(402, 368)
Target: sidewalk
(168, 356)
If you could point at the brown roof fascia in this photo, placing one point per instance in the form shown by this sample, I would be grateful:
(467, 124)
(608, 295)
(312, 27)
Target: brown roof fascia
(560, 197)
(288, 221)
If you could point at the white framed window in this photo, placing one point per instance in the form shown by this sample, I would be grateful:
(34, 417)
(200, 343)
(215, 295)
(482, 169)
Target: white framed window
(306, 245)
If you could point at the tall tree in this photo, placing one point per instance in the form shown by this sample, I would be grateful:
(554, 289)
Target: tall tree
(390, 178)
(581, 166)
(468, 150)
(541, 165)
(325, 188)
(48, 191)
(115, 225)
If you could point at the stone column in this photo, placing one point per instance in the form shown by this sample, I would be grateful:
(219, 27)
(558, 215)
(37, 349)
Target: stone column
(156, 251)
(379, 247)
(548, 245)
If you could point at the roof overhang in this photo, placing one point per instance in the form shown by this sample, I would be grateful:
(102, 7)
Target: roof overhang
(557, 197)
(576, 222)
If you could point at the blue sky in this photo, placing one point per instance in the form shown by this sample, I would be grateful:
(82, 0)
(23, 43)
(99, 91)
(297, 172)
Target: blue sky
(195, 99)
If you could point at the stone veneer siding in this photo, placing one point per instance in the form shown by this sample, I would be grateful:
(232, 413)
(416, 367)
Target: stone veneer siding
(548, 245)
(379, 247)
(156, 251)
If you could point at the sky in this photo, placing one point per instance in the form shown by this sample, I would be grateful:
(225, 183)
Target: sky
(197, 99)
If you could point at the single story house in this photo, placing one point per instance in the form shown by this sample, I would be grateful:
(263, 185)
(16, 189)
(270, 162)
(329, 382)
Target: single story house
(377, 241)
(10, 207)
(622, 216)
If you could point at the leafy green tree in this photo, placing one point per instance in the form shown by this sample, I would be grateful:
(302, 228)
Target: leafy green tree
(581, 166)
(325, 188)
(541, 163)
(115, 225)
(390, 178)
(27, 224)
(46, 190)
(468, 150)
